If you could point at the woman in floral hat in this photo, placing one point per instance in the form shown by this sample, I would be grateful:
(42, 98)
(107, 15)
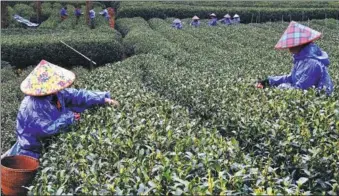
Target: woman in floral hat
(310, 62)
(49, 107)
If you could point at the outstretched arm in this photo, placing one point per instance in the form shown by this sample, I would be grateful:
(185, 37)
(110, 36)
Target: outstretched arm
(277, 80)
(83, 99)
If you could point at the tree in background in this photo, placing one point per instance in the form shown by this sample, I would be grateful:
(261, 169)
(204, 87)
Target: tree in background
(37, 9)
(4, 14)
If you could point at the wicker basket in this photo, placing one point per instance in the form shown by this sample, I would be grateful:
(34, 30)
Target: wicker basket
(17, 171)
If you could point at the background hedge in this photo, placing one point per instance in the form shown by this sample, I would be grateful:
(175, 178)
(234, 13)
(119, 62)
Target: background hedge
(24, 47)
(24, 50)
(150, 10)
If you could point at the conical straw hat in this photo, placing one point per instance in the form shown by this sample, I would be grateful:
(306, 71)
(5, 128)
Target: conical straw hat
(46, 79)
(297, 34)
(195, 18)
(227, 16)
(177, 21)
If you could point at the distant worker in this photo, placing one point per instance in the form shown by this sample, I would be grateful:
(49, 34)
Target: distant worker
(50, 107)
(236, 19)
(195, 21)
(63, 13)
(213, 21)
(104, 13)
(77, 14)
(111, 14)
(92, 18)
(226, 20)
(177, 24)
(310, 62)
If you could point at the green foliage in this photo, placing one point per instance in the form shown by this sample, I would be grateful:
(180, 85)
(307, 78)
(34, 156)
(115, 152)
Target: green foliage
(21, 47)
(191, 121)
(150, 10)
(280, 4)
(124, 25)
(11, 97)
(24, 10)
(46, 9)
(24, 50)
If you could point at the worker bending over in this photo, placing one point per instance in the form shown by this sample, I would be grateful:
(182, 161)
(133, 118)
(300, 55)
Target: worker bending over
(310, 62)
(49, 107)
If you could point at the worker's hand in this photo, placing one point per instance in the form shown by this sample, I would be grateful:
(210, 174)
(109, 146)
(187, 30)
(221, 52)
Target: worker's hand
(263, 83)
(112, 102)
(76, 116)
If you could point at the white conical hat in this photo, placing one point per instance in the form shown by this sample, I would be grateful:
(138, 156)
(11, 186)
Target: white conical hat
(46, 79)
(195, 18)
(177, 21)
(227, 16)
(213, 14)
(236, 16)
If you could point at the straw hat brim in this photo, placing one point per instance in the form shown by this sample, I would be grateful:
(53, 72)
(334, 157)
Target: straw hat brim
(176, 21)
(296, 35)
(287, 47)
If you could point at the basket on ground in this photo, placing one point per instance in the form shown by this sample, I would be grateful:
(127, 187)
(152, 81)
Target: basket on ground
(16, 172)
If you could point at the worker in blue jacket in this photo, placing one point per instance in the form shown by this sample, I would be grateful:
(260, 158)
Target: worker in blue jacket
(50, 107)
(177, 24)
(310, 62)
(195, 21)
(92, 17)
(213, 21)
(63, 13)
(226, 20)
(77, 13)
(236, 19)
(104, 13)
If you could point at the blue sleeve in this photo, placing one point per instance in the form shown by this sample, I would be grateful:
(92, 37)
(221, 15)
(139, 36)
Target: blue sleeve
(308, 76)
(46, 126)
(79, 100)
(277, 80)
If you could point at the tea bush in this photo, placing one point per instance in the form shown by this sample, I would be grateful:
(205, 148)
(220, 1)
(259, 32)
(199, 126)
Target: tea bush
(149, 10)
(281, 4)
(191, 121)
(23, 10)
(11, 97)
(22, 47)
(25, 50)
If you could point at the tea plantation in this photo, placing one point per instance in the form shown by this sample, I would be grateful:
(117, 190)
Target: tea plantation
(191, 120)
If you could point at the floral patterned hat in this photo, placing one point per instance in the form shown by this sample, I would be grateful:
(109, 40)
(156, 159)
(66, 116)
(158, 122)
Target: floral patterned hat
(297, 34)
(46, 79)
